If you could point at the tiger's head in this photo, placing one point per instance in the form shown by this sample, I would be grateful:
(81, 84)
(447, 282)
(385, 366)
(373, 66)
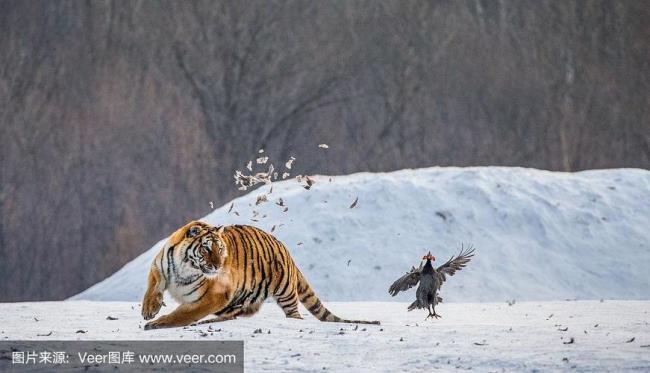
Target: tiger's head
(206, 250)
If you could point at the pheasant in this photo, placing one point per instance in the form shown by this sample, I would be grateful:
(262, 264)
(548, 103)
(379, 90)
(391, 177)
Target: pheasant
(430, 280)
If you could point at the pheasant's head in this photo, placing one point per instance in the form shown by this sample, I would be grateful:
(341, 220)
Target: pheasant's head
(429, 257)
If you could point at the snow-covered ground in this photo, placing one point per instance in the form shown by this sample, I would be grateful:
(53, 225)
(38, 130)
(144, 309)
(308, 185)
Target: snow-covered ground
(539, 235)
(527, 336)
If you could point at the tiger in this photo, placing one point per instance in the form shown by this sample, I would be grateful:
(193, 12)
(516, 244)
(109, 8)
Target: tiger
(227, 271)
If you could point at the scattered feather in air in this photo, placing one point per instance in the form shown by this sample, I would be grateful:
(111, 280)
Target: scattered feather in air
(323, 146)
(236, 213)
(275, 176)
(249, 165)
(309, 182)
(571, 340)
(255, 220)
(354, 204)
(272, 228)
(247, 181)
(262, 160)
(261, 199)
(630, 340)
(285, 209)
(289, 163)
(211, 205)
(285, 175)
(45, 335)
(111, 318)
(349, 260)
(280, 202)
(231, 206)
(261, 151)
(299, 243)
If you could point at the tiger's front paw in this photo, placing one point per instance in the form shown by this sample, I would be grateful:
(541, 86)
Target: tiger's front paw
(154, 325)
(165, 321)
(151, 305)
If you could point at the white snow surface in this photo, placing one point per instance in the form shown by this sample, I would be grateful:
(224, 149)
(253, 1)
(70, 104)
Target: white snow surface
(539, 235)
(484, 337)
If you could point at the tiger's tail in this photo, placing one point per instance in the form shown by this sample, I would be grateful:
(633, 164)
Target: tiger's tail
(315, 307)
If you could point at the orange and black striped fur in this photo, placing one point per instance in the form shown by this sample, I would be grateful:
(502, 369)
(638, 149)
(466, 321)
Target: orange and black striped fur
(227, 271)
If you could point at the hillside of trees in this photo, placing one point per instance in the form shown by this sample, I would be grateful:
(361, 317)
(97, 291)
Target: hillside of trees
(120, 121)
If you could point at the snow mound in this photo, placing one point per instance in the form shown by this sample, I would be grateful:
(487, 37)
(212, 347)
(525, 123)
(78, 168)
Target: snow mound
(539, 235)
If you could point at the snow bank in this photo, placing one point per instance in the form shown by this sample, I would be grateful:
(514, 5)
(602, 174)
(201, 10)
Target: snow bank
(539, 235)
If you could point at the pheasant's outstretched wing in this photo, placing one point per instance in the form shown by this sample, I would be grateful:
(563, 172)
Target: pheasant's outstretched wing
(455, 264)
(406, 282)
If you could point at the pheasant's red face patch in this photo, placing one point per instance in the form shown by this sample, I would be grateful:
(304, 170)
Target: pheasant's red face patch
(429, 256)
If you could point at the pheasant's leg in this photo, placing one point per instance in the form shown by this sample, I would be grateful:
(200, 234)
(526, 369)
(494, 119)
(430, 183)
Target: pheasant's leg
(434, 314)
(430, 313)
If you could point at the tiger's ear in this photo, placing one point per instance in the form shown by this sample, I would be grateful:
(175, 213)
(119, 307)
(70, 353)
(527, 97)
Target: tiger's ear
(182, 233)
(193, 231)
(223, 251)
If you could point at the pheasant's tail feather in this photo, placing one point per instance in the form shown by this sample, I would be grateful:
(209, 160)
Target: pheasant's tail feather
(316, 308)
(415, 304)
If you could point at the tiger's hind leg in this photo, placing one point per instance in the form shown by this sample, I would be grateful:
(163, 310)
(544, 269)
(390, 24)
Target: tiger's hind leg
(289, 305)
(223, 317)
(235, 313)
(250, 310)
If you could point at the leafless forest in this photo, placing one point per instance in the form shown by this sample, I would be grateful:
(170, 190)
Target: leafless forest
(119, 121)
